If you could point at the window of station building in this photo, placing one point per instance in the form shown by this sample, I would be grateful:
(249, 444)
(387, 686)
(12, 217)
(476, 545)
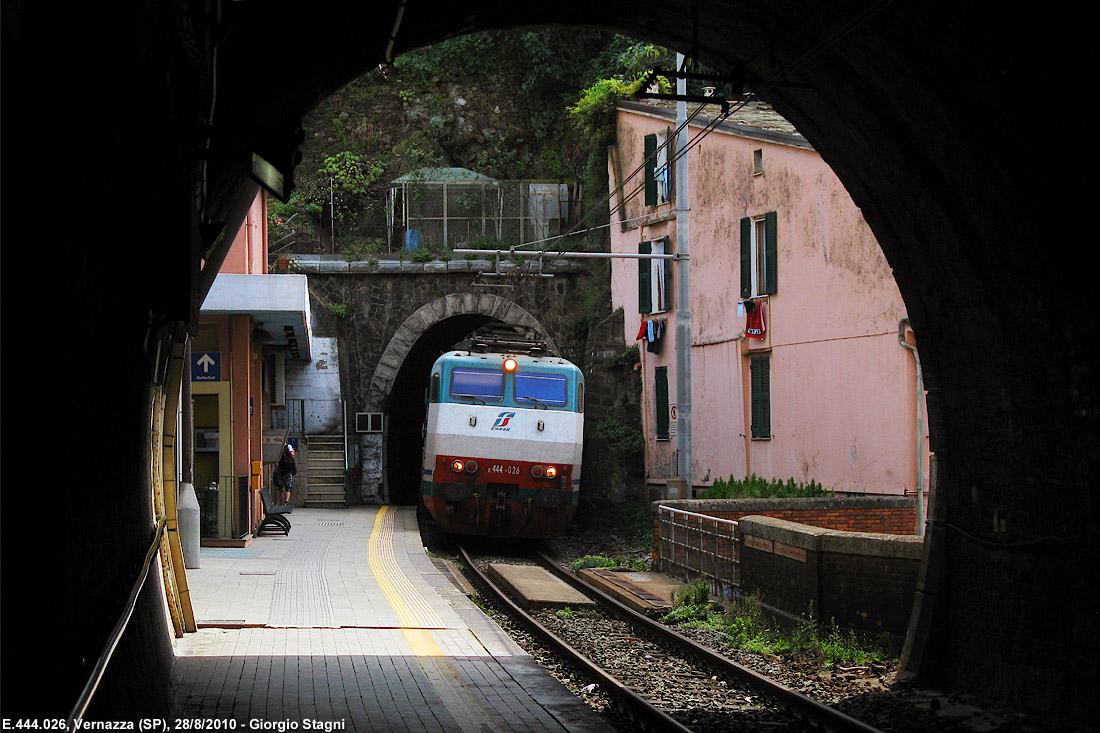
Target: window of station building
(757, 162)
(541, 389)
(761, 397)
(482, 384)
(759, 252)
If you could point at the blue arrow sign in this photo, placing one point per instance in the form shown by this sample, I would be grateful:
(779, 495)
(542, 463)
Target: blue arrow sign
(206, 366)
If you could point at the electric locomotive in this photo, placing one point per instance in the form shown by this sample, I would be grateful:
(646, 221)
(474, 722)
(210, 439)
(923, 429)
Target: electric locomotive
(503, 437)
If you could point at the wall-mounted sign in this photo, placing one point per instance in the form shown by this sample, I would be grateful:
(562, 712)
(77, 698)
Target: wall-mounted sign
(206, 366)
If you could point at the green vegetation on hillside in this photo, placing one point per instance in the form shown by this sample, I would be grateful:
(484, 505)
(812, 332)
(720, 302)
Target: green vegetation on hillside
(510, 104)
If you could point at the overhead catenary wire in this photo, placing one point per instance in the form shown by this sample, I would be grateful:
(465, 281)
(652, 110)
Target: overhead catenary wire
(677, 153)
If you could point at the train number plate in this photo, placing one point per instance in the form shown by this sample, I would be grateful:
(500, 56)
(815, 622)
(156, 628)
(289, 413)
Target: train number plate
(503, 470)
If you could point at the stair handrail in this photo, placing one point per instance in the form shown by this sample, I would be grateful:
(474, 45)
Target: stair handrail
(344, 412)
(119, 629)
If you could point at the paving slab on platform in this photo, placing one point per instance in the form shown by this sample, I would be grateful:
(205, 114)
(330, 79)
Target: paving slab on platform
(639, 590)
(534, 588)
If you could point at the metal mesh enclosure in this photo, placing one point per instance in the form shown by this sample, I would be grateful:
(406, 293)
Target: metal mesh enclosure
(468, 210)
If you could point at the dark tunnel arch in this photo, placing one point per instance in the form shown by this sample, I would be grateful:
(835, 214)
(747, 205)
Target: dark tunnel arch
(406, 408)
(917, 107)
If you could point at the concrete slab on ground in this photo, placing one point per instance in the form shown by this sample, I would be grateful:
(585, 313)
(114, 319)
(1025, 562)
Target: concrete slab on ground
(534, 588)
(639, 590)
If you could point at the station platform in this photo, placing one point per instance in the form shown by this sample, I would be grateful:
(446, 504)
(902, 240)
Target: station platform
(347, 624)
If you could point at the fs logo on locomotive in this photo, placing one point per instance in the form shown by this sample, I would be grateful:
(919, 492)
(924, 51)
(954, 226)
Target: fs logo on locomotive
(502, 421)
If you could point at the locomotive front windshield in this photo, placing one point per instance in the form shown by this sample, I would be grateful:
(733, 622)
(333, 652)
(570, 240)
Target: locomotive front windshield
(542, 389)
(484, 384)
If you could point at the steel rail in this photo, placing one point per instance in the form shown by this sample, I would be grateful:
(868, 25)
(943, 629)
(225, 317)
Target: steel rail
(799, 705)
(637, 707)
(85, 699)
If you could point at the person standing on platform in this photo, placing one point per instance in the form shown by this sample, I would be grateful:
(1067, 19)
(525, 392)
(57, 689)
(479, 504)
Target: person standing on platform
(283, 477)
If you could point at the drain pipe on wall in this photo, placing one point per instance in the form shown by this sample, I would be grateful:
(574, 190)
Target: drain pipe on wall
(902, 325)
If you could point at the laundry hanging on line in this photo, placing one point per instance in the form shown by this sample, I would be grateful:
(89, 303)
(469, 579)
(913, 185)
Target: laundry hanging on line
(652, 332)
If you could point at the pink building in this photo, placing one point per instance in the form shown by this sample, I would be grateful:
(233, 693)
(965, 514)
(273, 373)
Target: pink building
(797, 370)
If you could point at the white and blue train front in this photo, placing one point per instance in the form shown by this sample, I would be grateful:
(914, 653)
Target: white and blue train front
(502, 448)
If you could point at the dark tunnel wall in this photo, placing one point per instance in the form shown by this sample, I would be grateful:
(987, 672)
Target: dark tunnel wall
(955, 127)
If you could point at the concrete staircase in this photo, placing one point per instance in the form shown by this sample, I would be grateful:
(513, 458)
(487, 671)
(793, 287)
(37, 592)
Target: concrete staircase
(325, 483)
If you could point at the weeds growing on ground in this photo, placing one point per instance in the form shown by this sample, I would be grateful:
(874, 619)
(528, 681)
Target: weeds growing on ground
(743, 626)
(600, 561)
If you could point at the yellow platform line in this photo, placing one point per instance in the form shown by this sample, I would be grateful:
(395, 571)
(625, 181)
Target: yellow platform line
(399, 592)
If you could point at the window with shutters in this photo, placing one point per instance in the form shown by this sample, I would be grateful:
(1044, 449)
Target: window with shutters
(758, 255)
(658, 172)
(653, 277)
(761, 397)
(660, 391)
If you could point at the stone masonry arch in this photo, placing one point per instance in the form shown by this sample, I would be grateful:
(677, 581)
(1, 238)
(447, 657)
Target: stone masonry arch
(438, 310)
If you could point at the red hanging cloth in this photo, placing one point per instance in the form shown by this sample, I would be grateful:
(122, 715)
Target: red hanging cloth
(754, 320)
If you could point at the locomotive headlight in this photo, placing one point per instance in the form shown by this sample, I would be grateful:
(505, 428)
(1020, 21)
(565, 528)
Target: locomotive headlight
(509, 364)
(537, 471)
(458, 466)
(551, 472)
(471, 466)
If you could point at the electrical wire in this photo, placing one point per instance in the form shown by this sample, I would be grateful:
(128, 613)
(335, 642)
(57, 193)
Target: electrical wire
(756, 91)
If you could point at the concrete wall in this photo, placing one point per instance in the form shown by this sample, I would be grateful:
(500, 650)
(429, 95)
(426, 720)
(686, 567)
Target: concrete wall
(317, 384)
(857, 580)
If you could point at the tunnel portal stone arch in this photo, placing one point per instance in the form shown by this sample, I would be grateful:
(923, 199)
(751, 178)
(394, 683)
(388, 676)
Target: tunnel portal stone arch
(429, 314)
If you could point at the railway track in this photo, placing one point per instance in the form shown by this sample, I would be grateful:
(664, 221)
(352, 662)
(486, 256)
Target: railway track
(658, 678)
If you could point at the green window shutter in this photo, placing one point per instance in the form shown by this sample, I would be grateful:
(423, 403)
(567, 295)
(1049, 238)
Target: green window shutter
(650, 170)
(746, 257)
(760, 379)
(770, 251)
(645, 273)
(661, 393)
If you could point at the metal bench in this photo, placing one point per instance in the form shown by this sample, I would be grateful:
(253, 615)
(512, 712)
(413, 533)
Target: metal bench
(274, 514)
